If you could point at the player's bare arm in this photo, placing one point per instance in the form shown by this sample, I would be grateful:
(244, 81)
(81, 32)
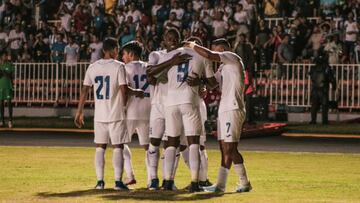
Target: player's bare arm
(177, 59)
(79, 117)
(203, 51)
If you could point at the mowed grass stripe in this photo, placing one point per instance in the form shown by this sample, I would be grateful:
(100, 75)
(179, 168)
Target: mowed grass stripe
(60, 174)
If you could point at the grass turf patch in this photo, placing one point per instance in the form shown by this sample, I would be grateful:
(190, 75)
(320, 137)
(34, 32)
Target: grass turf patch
(57, 174)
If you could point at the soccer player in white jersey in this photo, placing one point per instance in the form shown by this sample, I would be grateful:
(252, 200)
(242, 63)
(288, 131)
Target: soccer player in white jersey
(138, 109)
(158, 60)
(231, 112)
(182, 113)
(108, 78)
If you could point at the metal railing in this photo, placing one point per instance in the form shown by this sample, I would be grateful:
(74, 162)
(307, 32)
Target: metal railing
(289, 84)
(271, 22)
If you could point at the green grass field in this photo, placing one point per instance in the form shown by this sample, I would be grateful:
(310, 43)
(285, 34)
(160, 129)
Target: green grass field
(43, 174)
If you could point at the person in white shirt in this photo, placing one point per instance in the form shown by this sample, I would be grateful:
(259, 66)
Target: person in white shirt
(172, 22)
(95, 49)
(108, 78)
(134, 13)
(220, 27)
(71, 52)
(351, 32)
(241, 15)
(197, 5)
(16, 41)
(182, 113)
(138, 109)
(231, 111)
(177, 10)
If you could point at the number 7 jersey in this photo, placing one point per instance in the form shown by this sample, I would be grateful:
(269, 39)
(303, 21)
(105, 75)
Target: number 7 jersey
(107, 75)
(138, 108)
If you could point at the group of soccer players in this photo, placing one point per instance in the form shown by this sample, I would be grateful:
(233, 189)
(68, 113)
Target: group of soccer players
(161, 100)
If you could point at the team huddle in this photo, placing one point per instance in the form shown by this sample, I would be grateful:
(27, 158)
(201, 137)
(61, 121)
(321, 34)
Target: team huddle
(161, 100)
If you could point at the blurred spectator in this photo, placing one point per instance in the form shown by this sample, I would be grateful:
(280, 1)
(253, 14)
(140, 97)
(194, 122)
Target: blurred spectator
(134, 13)
(197, 5)
(81, 19)
(333, 47)
(219, 25)
(57, 49)
(351, 31)
(16, 40)
(245, 51)
(188, 16)
(126, 36)
(157, 5)
(314, 42)
(3, 39)
(177, 10)
(71, 52)
(172, 22)
(240, 15)
(41, 50)
(285, 54)
(271, 8)
(95, 49)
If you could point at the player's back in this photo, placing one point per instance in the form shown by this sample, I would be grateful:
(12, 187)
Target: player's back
(138, 108)
(106, 75)
(232, 82)
(179, 92)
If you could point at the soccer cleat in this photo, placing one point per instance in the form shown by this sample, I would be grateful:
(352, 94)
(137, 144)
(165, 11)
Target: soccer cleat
(244, 188)
(130, 182)
(119, 185)
(154, 185)
(206, 183)
(100, 185)
(168, 185)
(213, 188)
(195, 187)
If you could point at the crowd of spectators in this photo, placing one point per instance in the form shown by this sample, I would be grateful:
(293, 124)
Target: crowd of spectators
(72, 30)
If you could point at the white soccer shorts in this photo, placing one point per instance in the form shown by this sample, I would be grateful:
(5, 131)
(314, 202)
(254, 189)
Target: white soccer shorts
(230, 125)
(157, 121)
(115, 131)
(141, 127)
(182, 117)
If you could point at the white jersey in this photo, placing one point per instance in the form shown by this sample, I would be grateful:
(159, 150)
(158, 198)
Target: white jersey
(107, 75)
(179, 92)
(159, 91)
(138, 108)
(232, 82)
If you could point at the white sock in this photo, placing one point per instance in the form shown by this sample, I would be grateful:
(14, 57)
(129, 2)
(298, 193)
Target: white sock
(194, 160)
(241, 172)
(147, 167)
(203, 173)
(118, 163)
(153, 155)
(176, 163)
(99, 163)
(222, 178)
(127, 163)
(185, 155)
(169, 159)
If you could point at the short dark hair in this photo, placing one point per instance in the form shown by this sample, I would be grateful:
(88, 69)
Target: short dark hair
(109, 44)
(196, 39)
(133, 47)
(174, 31)
(221, 41)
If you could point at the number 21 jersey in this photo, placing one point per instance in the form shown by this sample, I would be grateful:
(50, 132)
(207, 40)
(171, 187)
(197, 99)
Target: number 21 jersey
(107, 75)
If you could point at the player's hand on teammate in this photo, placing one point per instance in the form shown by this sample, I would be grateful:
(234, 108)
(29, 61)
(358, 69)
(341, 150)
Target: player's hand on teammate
(79, 119)
(139, 93)
(193, 80)
(180, 58)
